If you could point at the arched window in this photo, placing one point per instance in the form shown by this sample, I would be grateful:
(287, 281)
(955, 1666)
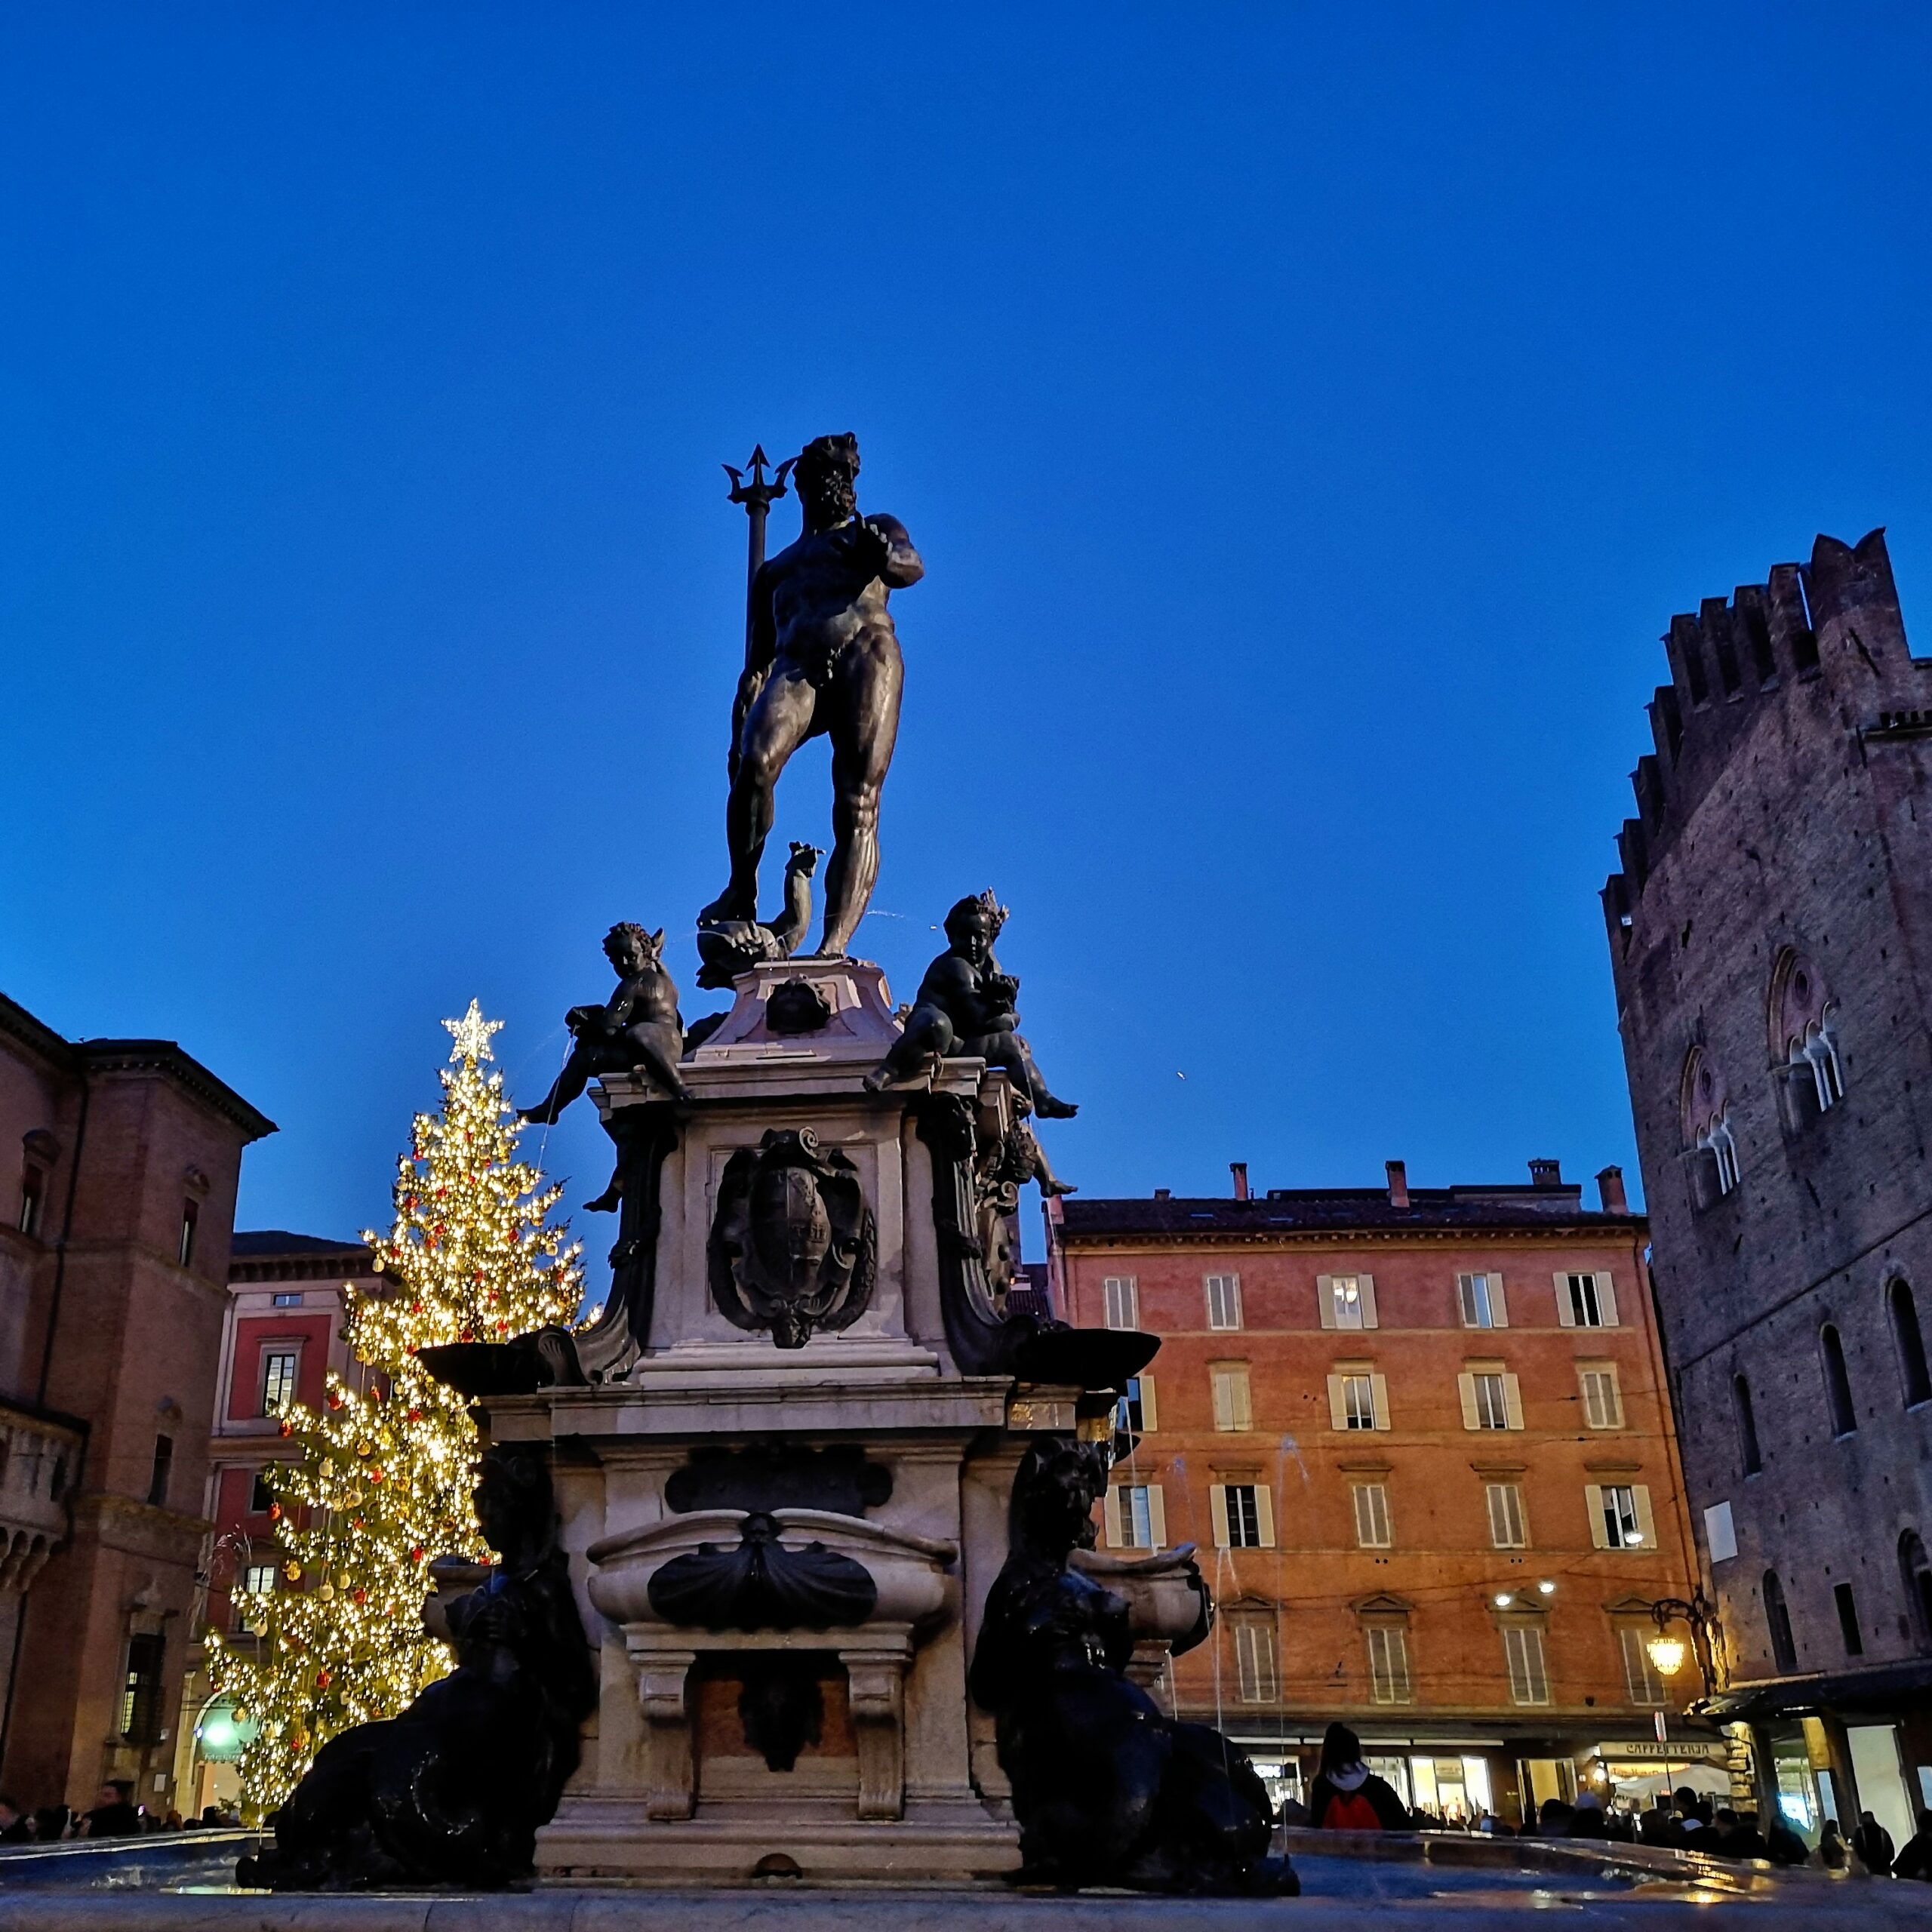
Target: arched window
(1838, 1383)
(1747, 1426)
(1915, 1573)
(1705, 1106)
(1784, 1650)
(1912, 1369)
(1805, 1037)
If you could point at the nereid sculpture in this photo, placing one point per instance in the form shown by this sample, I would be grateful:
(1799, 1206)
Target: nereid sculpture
(453, 1791)
(1109, 1790)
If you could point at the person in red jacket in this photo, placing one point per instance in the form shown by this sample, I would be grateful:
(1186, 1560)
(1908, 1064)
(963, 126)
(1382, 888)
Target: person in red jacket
(1346, 1795)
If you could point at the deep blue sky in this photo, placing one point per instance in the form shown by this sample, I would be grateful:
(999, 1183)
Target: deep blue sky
(1310, 418)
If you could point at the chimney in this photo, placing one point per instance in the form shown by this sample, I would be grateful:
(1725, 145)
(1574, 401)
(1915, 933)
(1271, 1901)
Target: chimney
(1610, 1189)
(1399, 1183)
(1164, 1193)
(1239, 1170)
(1546, 1174)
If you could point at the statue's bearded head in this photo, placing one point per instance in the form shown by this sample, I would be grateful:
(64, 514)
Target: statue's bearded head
(827, 476)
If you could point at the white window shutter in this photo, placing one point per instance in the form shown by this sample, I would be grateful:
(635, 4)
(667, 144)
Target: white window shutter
(1512, 1400)
(1379, 1390)
(1324, 1301)
(1499, 1306)
(1566, 1315)
(1217, 1510)
(1593, 1502)
(1243, 1409)
(1157, 1517)
(1264, 1514)
(1607, 1299)
(1337, 1414)
(1646, 1526)
(1115, 1539)
(1467, 1384)
(1148, 1423)
(1366, 1284)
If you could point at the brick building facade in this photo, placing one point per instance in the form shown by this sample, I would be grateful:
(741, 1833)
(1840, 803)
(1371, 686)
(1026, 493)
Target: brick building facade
(1771, 933)
(281, 1335)
(1420, 1437)
(113, 1255)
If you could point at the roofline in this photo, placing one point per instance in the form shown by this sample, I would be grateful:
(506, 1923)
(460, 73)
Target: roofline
(166, 1057)
(36, 1034)
(1608, 1227)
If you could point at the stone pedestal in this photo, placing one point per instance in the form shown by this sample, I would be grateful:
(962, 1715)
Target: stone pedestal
(807, 1530)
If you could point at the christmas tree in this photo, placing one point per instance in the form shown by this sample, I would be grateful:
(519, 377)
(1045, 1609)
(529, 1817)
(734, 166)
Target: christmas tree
(383, 1482)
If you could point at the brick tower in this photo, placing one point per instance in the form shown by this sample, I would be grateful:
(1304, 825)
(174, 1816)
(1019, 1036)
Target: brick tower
(1771, 933)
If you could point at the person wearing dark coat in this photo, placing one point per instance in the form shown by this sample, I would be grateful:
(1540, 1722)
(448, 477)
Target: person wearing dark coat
(114, 1815)
(1915, 1860)
(1873, 1844)
(1832, 1853)
(1346, 1795)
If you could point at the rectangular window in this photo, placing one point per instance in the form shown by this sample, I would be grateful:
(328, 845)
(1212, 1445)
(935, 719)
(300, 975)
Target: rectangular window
(163, 1467)
(1241, 1512)
(1585, 1301)
(277, 1379)
(1622, 1515)
(1346, 1301)
(1358, 1402)
(1135, 1518)
(1223, 1301)
(1603, 1405)
(1389, 1681)
(1122, 1295)
(1529, 1676)
(190, 1214)
(1133, 1413)
(256, 1583)
(293, 1300)
(261, 1497)
(1507, 1529)
(1492, 1403)
(1255, 1679)
(1228, 1382)
(1372, 1531)
(1847, 1608)
(32, 1186)
(1640, 1676)
(1480, 1296)
(140, 1689)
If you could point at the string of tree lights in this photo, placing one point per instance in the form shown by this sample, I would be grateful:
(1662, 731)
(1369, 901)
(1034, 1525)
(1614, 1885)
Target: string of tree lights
(382, 1483)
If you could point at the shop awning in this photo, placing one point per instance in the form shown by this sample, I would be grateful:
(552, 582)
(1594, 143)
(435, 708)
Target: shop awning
(1884, 1687)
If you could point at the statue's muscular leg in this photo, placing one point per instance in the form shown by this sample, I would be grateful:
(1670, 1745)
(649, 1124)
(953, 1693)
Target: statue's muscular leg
(864, 723)
(778, 723)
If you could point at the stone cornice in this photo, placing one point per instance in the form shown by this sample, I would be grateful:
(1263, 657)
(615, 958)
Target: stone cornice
(1564, 1233)
(166, 1057)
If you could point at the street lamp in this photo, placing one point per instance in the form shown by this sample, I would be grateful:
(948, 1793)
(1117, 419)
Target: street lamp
(1667, 1653)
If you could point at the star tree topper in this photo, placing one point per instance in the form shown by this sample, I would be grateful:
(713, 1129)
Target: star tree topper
(473, 1033)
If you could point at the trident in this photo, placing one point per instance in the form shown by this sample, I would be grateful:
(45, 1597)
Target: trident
(757, 496)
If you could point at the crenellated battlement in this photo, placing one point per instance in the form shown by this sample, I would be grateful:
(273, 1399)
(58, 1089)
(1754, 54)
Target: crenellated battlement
(1833, 622)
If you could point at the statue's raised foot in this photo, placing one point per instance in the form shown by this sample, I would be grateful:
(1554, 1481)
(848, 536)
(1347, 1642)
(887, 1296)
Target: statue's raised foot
(1050, 1107)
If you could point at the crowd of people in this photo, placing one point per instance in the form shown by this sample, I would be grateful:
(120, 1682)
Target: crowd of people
(114, 1814)
(1346, 1795)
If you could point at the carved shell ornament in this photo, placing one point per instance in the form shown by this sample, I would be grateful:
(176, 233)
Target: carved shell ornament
(793, 1247)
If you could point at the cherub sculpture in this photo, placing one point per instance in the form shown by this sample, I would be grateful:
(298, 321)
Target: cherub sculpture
(638, 1028)
(729, 947)
(452, 1792)
(965, 1005)
(1108, 1789)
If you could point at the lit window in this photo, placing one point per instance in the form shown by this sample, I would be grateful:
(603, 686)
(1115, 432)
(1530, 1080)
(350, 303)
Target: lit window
(1388, 1681)
(1529, 1675)
(290, 1300)
(1603, 1403)
(277, 1380)
(1506, 1530)
(1372, 1530)
(1257, 1681)
(1640, 1676)
(1345, 1298)
(255, 1585)
(1228, 1383)
(1622, 1516)
(1481, 1298)
(1122, 1295)
(1223, 1301)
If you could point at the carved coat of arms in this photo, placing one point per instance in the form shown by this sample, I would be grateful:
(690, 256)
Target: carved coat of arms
(793, 1248)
